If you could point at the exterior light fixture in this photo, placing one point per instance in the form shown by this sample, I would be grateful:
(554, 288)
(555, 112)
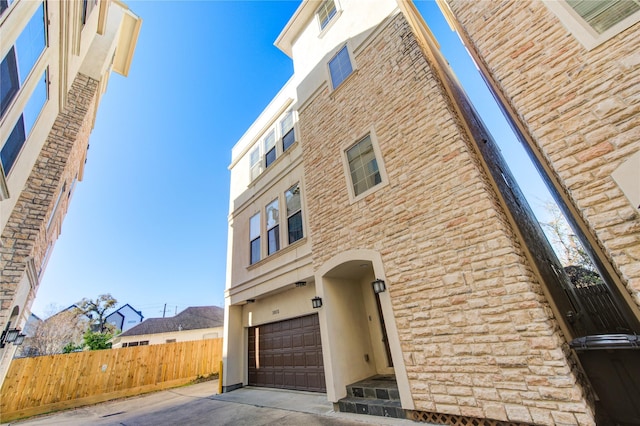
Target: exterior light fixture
(10, 336)
(301, 283)
(316, 302)
(19, 339)
(251, 300)
(378, 286)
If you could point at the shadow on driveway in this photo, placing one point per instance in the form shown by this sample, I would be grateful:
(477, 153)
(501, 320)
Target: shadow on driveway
(200, 404)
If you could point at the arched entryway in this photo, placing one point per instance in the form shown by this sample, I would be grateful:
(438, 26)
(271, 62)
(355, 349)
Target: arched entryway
(357, 326)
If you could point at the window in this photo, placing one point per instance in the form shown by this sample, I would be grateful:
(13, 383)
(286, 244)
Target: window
(13, 145)
(144, 343)
(254, 237)
(273, 227)
(340, 67)
(287, 131)
(56, 205)
(4, 5)
(254, 162)
(124, 345)
(170, 340)
(294, 213)
(87, 7)
(326, 11)
(133, 343)
(363, 166)
(604, 14)
(270, 148)
(592, 22)
(21, 58)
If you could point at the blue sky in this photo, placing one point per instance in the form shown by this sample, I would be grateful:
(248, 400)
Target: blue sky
(148, 224)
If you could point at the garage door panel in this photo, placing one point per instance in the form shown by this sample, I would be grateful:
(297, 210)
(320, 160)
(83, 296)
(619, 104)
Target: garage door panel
(287, 355)
(297, 341)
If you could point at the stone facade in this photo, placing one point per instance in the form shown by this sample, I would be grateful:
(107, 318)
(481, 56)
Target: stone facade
(477, 336)
(579, 107)
(26, 237)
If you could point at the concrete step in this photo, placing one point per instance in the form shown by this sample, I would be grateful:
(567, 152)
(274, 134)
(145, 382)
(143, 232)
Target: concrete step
(378, 387)
(373, 407)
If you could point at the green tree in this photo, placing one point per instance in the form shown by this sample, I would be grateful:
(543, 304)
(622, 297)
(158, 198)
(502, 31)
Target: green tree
(97, 311)
(95, 341)
(70, 347)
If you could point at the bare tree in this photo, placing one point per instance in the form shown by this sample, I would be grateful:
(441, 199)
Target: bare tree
(574, 258)
(97, 311)
(50, 336)
(564, 241)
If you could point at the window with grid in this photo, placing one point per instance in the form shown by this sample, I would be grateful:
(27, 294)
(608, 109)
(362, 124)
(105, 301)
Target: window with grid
(270, 148)
(254, 237)
(273, 227)
(294, 213)
(363, 166)
(604, 14)
(21, 130)
(21, 58)
(340, 67)
(326, 12)
(287, 131)
(254, 163)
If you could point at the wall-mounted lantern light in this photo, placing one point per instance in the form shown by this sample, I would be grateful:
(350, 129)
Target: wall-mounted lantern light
(316, 302)
(378, 286)
(11, 336)
(19, 339)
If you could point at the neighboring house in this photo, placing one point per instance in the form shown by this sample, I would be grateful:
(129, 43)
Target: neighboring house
(194, 323)
(50, 336)
(371, 170)
(31, 324)
(124, 317)
(56, 60)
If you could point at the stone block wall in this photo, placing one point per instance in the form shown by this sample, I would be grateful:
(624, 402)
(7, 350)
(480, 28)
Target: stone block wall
(26, 237)
(477, 334)
(581, 108)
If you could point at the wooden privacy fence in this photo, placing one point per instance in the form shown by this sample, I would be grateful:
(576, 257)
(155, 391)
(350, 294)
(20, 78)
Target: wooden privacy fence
(49, 383)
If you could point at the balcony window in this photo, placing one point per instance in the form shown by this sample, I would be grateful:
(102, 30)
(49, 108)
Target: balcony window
(270, 148)
(287, 131)
(254, 236)
(294, 213)
(21, 58)
(273, 227)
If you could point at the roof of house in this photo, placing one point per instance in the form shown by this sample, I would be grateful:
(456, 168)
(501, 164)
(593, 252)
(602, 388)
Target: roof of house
(117, 311)
(193, 318)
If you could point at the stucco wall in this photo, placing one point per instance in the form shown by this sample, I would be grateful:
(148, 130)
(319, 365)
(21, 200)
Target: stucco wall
(477, 335)
(179, 336)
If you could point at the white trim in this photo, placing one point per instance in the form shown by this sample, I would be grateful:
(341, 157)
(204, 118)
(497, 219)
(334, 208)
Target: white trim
(384, 180)
(581, 30)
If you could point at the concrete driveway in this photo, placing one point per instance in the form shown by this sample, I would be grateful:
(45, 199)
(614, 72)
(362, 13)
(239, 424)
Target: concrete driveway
(200, 405)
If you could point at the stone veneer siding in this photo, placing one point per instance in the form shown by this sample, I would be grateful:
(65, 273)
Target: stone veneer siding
(25, 236)
(477, 334)
(582, 109)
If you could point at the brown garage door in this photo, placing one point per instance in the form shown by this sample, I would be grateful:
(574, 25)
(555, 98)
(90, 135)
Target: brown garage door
(287, 355)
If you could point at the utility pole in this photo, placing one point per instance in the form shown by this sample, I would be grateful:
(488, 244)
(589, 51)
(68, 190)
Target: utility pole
(164, 311)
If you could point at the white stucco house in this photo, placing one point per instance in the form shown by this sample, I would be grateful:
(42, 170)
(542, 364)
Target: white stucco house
(194, 323)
